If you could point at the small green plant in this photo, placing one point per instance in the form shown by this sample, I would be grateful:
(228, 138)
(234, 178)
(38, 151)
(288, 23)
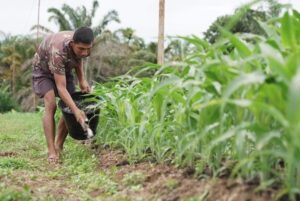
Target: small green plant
(14, 163)
(134, 179)
(14, 195)
(92, 180)
(172, 183)
(7, 103)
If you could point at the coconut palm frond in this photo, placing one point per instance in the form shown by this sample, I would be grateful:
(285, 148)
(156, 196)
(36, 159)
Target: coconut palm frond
(41, 28)
(94, 8)
(73, 16)
(59, 18)
(111, 16)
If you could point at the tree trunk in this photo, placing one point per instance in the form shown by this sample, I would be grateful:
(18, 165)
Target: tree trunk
(160, 46)
(13, 78)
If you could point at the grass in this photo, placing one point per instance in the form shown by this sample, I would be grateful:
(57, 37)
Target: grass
(23, 163)
(26, 175)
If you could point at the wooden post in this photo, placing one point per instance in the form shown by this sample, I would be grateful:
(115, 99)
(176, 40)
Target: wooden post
(160, 45)
(35, 98)
(38, 24)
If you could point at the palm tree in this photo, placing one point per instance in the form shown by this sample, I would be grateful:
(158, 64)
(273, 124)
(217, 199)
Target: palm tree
(177, 50)
(127, 36)
(12, 59)
(2, 34)
(68, 18)
(42, 30)
(15, 67)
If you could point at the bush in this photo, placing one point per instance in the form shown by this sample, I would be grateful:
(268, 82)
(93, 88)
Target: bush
(7, 102)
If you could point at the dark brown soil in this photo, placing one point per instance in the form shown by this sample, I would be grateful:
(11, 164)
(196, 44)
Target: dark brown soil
(168, 183)
(7, 154)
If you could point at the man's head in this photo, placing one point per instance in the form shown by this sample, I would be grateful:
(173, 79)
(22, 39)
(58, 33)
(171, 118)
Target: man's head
(82, 42)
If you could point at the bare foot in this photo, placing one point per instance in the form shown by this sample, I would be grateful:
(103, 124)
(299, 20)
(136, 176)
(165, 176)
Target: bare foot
(53, 159)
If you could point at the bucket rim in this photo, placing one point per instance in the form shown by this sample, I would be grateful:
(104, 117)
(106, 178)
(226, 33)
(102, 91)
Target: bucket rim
(75, 96)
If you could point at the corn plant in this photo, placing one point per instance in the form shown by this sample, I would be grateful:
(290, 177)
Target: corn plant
(236, 100)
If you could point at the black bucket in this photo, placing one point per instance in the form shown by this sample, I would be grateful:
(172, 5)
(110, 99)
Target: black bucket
(87, 103)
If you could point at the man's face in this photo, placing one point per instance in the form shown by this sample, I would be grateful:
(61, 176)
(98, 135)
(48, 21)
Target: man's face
(81, 50)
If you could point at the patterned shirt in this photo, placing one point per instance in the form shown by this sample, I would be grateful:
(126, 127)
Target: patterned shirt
(55, 55)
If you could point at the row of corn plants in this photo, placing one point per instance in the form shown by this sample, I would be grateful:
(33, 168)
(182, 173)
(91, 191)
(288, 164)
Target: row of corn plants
(236, 101)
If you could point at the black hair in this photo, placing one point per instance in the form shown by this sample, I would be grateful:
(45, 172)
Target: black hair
(83, 35)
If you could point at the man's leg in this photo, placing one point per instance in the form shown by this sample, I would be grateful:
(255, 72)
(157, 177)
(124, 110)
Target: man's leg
(62, 133)
(49, 125)
(62, 130)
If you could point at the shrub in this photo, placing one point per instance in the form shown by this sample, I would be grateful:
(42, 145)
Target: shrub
(7, 102)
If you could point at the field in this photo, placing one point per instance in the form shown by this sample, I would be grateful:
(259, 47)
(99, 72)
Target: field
(222, 123)
(95, 172)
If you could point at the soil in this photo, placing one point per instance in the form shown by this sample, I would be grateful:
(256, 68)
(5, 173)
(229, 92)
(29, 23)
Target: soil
(168, 183)
(143, 181)
(7, 154)
(39, 185)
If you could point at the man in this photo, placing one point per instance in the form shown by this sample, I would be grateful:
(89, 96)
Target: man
(52, 76)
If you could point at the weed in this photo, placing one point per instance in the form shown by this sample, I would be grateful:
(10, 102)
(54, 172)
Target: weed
(134, 179)
(11, 195)
(14, 163)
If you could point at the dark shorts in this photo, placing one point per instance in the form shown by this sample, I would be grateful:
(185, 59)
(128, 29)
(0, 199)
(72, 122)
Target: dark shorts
(41, 85)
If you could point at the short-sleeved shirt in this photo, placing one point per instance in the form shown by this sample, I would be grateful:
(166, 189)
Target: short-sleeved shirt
(54, 55)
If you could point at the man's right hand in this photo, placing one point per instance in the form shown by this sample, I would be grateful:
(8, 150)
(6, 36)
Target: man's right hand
(80, 117)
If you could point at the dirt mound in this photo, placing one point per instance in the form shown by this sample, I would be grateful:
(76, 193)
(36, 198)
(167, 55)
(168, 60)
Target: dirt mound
(149, 181)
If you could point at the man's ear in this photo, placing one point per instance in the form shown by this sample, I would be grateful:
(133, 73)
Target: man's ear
(71, 43)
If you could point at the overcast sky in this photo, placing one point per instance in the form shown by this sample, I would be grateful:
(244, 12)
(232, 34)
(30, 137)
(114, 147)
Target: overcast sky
(182, 17)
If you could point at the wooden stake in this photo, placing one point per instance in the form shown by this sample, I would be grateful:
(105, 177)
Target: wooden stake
(36, 47)
(160, 45)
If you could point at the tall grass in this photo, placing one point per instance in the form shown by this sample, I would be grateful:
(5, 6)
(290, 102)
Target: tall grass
(237, 100)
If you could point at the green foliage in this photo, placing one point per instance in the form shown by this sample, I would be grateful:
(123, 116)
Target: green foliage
(16, 54)
(7, 102)
(25, 168)
(127, 36)
(134, 179)
(68, 18)
(13, 163)
(172, 183)
(139, 58)
(112, 57)
(244, 20)
(236, 100)
(12, 195)
(177, 49)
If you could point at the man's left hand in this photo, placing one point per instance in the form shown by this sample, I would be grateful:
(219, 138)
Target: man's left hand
(84, 86)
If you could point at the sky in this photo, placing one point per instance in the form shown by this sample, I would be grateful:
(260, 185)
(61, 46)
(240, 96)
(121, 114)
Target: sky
(182, 17)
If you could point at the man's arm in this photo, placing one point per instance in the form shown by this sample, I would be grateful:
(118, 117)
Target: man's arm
(83, 84)
(60, 81)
